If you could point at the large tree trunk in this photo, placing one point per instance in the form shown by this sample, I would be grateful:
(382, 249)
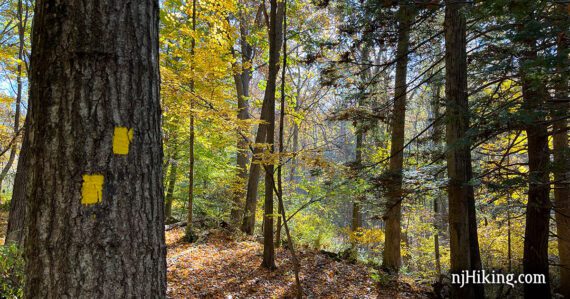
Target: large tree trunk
(462, 225)
(535, 259)
(94, 193)
(562, 160)
(275, 43)
(391, 259)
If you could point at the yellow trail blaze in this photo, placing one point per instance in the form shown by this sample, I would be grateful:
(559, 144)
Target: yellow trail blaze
(122, 138)
(92, 189)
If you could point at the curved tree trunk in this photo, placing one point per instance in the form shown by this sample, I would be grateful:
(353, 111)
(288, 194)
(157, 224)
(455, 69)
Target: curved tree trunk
(275, 43)
(94, 193)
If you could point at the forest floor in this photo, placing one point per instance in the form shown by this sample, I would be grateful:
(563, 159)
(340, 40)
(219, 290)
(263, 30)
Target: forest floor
(220, 265)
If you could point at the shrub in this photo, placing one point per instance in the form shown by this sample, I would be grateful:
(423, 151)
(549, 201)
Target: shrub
(11, 272)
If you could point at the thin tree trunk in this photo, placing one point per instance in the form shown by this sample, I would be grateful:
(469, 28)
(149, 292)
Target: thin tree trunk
(22, 20)
(189, 233)
(356, 221)
(562, 161)
(463, 230)
(16, 229)
(535, 257)
(16, 218)
(281, 129)
(171, 185)
(437, 139)
(275, 42)
(391, 259)
(94, 192)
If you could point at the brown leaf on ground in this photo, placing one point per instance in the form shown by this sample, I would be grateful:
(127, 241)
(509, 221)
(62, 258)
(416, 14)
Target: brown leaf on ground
(224, 268)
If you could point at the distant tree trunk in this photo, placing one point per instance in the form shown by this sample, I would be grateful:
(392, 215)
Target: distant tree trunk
(17, 205)
(391, 259)
(189, 233)
(22, 23)
(281, 130)
(356, 221)
(171, 185)
(437, 137)
(242, 81)
(535, 257)
(463, 230)
(295, 147)
(248, 223)
(94, 192)
(15, 232)
(275, 42)
(562, 160)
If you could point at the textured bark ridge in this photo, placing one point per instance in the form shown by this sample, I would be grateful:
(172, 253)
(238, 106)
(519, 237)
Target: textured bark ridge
(464, 245)
(94, 67)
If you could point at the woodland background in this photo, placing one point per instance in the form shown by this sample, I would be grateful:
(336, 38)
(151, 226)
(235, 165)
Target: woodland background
(373, 108)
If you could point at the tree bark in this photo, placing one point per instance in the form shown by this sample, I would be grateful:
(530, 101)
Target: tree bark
(242, 81)
(275, 43)
(15, 232)
(93, 189)
(562, 159)
(535, 256)
(391, 259)
(462, 225)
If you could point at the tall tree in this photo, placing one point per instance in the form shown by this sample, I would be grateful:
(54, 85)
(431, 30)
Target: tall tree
(94, 194)
(391, 259)
(189, 228)
(562, 152)
(242, 79)
(22, 15)
(462, 225)
(535, 258)
(17, 205)
(275, 43)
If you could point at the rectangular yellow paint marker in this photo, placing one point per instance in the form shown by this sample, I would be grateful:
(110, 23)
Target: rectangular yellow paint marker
(92, 189)
(122, 138)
